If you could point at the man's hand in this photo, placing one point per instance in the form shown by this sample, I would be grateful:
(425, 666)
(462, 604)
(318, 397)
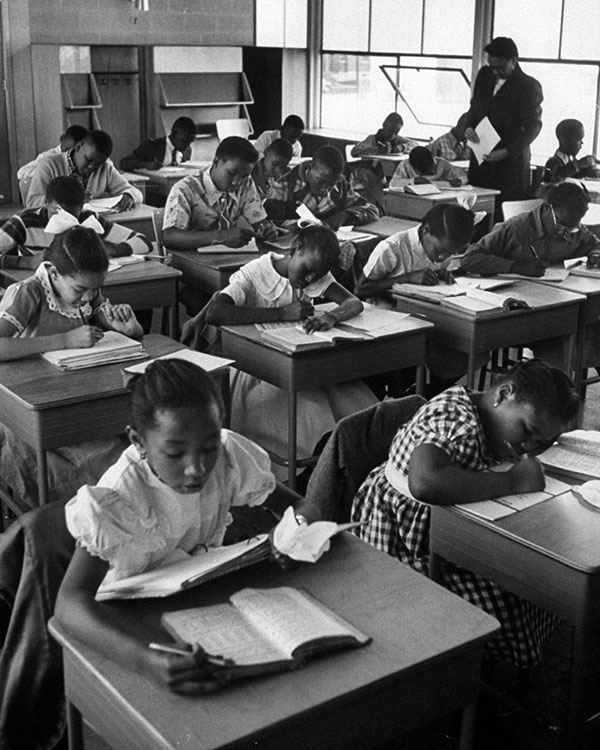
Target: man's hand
(471, 135)
(500, 154)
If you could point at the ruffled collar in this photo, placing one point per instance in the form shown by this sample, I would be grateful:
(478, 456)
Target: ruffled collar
(54, 302)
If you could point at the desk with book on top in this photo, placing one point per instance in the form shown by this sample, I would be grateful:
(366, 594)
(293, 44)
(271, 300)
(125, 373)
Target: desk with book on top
(144, 285)
(294, 371)
(549, 554)
(423, 663)
(552, 313)
(48, 408)
(402, 204)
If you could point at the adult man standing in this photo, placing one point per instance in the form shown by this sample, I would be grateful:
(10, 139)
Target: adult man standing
(512, 102)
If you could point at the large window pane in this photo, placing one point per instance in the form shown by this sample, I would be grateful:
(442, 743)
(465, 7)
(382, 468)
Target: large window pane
(346, 25)
(569, 91)
(448, 27)
(396, 26)
(356, 97)
(581, 30)
(533, 24)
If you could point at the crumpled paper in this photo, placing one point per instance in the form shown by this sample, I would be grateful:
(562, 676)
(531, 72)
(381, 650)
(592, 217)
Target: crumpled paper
(305, 543)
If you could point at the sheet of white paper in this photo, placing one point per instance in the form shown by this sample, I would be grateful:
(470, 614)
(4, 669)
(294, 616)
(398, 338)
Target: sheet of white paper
(488, 138)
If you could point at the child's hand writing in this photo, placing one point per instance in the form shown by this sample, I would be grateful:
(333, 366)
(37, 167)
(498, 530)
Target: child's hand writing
(237, 236)
(297, 310)
(319, 323)
(82, 337)
(527, 476)
(426, 277)
(266, 230)
(187, 669)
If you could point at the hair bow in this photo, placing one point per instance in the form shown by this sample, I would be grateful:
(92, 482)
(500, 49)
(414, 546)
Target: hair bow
(307, 218)
(467, 199)
(62, 221)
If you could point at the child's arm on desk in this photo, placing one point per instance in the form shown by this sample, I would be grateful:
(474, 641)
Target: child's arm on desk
(434, 479)
(237, 235)
(366, 287)
(18, 348)
(347, 307)
(99, 626)
(119, 318)
(223, 311)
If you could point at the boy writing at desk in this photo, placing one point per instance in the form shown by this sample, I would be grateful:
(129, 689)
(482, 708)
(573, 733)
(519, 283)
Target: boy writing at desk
(423, 167)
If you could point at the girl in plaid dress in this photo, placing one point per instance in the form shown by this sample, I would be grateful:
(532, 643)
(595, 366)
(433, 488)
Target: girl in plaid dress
(440, 457)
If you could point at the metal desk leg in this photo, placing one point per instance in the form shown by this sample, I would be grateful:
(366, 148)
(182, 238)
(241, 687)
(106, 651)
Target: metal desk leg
(74, 727)
(467, 727)
(42, 475)
(292, 437)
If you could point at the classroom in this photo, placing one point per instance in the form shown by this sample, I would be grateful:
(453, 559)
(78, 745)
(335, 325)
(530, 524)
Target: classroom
(311, 287)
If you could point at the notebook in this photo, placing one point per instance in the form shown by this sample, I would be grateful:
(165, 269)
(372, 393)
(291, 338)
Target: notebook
(207, 362)
(112, 347)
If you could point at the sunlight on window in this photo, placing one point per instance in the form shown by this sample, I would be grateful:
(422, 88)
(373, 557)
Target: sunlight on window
(346, 25)
(448, 27)
(533, 24)
(581, 30)
(396, 25)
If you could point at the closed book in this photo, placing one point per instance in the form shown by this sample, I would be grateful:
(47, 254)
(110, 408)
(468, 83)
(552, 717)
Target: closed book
(264, 630)
(112, 347)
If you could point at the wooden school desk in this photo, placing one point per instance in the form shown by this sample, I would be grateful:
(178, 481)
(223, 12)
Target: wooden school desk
(138, 219)
(208, 272)
(48, 408)
(144, 285)
(314, 368)
(399, 203)
(387, 225)
(553, 312)
(422, 664)
(548, 554)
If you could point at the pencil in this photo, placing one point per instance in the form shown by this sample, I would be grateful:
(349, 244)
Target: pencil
(82, 317)
(535, 255)
(216, 661)
(512, 452)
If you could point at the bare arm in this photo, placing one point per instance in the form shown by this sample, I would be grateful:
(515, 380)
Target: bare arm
(433, 478)
(378, 287)
(348, 307)
(19, 348)
(189, 239)
(224, 312)
(101, 627)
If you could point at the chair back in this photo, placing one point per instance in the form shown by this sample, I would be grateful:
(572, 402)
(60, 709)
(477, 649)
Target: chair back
(240, 127)
(157, 222)
(359, 443)
(514, 208)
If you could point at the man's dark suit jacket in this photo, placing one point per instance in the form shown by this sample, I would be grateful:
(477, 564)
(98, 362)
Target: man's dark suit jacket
(516, 114)
(150, 150)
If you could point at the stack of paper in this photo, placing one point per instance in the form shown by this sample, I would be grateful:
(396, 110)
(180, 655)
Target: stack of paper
(112, 347)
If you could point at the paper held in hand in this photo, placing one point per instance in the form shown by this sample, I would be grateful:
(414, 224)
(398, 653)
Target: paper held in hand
(488, 139)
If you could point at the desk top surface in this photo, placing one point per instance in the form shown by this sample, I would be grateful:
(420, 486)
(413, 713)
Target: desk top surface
(38, 385)
(140, 212)
(148, 270)
(388, 225)
(414, 624)
(445, 194)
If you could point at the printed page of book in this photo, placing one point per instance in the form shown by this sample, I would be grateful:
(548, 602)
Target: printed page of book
(290, 618)
(587, 441)
(222, 629)
(570, 461)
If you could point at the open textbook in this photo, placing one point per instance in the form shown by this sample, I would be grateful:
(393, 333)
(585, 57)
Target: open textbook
(575, 454)
(372, 322)
(264, 630)
(112, 347)
(208, 362)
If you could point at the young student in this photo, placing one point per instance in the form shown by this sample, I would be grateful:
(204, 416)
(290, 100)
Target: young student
(281, 288)
(386, 140)
(422, 167)
(452, 145)
(220, 205)
(547, 235)
(163, 152)
(440, 457)
(563, 164)
(272, 165)
(68, 140)
(416, 256)
(24, 238)
(174, 487)
(291, 131)
(89, 163)
(319, 184)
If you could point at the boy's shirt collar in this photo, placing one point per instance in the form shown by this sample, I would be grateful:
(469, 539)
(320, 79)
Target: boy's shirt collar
(565, 158)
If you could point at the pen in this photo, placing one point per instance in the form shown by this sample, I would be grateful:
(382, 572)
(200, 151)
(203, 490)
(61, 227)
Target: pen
(512, 452)
(82, 317)
(216, 661)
